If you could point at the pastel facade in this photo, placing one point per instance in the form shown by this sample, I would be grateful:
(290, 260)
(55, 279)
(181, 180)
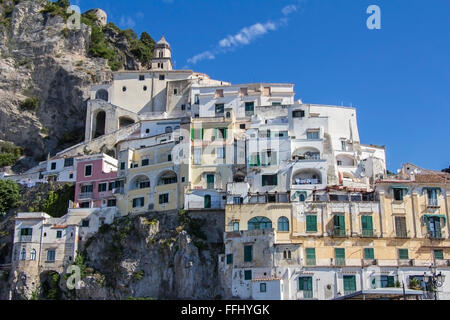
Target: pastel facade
(96, 182)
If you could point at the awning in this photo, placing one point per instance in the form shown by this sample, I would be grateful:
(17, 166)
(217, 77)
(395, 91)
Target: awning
(426, 216)
(431, 188)
(401, 187)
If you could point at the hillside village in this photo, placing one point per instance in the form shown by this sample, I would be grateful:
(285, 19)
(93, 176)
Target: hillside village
(307, 210)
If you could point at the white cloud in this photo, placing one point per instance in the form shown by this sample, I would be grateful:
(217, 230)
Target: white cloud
(289, 9)
(127, 22)
(206, 55)
(246, 35)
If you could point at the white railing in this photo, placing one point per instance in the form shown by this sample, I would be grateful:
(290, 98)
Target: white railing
(85, 195)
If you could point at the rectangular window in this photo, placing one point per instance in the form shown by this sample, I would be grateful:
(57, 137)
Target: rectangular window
(400, 227)
(141, 77)
(398, 194)
(163, 198)
(369, 254)
(230, 258)
(432, 197)
(220, 133)
(255, 160)
(145, 162)
(238, 200)
(305, 284)
(197, 99)
(312, 135)
(276, 103)
(339, 225)
(51, 255)
(248, 253)
(197, 134)
(85, 223)
(248, 275)
(220, 110)
(122, 166)
(220, 153)
(310, 256)
(236, 226)
(138, 202)
(88, 170)
(249, 109)
(162, 77)
(111, 203)
(68, 162)
(367, 226)
(387, 282)
(269, 180)
(53, 166)
(262, 287)
(340, 256)
(26, 231)
(438, 254)
(343, 145)
(210, 181)
(197, 156)
(59, 234)
(403, 254)
(298, 114)
(269, 158)
(349, 284)
(175, 91)
(102, 187)
(311, 223)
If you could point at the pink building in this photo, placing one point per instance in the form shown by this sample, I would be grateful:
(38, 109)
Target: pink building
(96, 181)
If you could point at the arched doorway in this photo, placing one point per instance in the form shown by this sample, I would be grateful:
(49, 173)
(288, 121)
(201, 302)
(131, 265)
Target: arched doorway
(100, 124)
(101, 94)
(125, 122)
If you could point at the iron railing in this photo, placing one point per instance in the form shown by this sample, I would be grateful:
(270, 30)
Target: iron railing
(367, 233)
(310, 261)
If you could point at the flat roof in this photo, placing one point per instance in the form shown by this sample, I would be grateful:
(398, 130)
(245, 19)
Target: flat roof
(380, 293)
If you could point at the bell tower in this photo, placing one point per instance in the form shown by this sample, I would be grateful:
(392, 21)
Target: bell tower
(162, 55)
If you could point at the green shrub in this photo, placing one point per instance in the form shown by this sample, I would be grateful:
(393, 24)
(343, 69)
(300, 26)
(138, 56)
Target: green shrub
(57, 202)
(30, 104)
(45, 130)
(9, 154)
(138, 275)
(57, 8)
(9, 195)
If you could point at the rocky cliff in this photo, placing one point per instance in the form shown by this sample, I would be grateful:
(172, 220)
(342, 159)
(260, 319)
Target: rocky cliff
(46, 70)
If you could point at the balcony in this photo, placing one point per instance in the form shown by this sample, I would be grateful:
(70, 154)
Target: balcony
(310, 261)
(339, 262)
(406, 262)
(86, 195)
(306, 294)
(300, 182)
(435, 235)
(369, 262)
(25, 238)
(338, 233)
(201, 205)
(367, 233)
(402, 234)
(119, 191)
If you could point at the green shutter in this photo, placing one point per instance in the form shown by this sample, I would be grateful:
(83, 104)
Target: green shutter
(225, 130)
(203, 133)
(349, 283)
(192, 134)
(391, 282)
(248, 253)
(403, 254)
(305, 283)
(310, 253)
(311, 223)
(340, 253)
(275, 182)
(369, 254)
(248, 275)
(229, 258)
(367, 223)
(439, 254)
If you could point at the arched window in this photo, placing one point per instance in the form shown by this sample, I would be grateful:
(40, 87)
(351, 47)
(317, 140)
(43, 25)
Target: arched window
(101, 94)
(259, 223)
(207, 201)
(302, 197)
(23, 254)
(33, 255)
(283, 224)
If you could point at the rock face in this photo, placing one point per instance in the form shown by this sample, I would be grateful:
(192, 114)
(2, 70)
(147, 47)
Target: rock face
(40, 57)
(101, 15)
(151, 256)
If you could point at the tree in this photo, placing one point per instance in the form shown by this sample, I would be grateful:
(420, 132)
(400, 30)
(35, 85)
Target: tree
(9, 195)
(446, 170)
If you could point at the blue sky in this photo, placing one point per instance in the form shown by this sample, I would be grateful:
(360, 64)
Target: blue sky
(398, 77)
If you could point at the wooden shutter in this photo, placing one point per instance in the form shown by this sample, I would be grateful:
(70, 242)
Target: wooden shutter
(369, 253)
(248, 253)
(367, 223)
(340, 253)
(311, 223)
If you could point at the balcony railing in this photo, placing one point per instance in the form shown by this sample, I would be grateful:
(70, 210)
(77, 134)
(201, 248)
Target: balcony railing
(340, 262)
(401, 234)
(119, 190)
(310, 261)
(337, 232)
(85, 195)
(367, 233)
(308, 294)
(202, 205)
(435, 235)
(25, 238)
(347, 292)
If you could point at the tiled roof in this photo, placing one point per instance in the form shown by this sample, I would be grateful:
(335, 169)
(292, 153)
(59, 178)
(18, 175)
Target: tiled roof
(433, 178)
